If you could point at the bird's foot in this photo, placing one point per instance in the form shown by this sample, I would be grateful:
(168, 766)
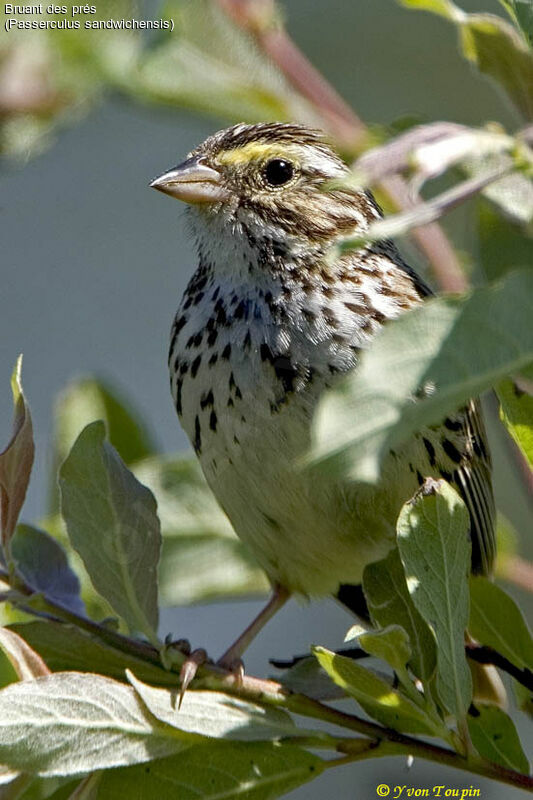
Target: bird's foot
(171, 646)
(231, 659)
(189, 670)
(196, 659)
(235, 668)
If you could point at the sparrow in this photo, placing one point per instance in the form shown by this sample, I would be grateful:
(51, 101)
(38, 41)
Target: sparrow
(273, 316)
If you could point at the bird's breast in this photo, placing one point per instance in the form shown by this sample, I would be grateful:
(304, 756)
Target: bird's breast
(247, 368)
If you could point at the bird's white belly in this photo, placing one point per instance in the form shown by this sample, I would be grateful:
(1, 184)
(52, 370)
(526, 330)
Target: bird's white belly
(308, 531)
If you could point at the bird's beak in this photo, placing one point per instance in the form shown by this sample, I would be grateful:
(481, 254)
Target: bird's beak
(192, 182)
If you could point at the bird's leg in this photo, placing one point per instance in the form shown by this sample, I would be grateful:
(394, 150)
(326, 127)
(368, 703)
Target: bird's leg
(231, 658)
(279, 597)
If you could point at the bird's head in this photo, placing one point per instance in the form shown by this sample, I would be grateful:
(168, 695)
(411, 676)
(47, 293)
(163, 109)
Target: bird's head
(269, 182)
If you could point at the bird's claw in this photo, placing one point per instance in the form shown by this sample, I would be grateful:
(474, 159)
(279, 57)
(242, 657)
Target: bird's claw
(236, 668)
(189, 670)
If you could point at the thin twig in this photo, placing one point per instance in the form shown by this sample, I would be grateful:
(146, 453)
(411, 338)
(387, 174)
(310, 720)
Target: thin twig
(425, 212)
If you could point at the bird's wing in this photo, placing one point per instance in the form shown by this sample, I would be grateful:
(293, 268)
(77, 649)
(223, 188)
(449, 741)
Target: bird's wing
(473, 480)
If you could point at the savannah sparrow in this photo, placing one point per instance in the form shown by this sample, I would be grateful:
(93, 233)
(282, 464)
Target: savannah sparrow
(267, 323)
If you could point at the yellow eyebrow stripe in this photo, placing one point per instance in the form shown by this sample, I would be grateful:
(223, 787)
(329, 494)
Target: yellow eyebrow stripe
(248, 152)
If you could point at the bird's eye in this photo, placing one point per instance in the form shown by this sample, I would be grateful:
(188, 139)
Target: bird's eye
(278, 171)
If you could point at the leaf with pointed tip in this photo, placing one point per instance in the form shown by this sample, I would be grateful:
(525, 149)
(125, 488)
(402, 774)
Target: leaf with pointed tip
(26, 663)
(377, 697)
(43, 564)
(496, 621)
(498, 51)
(8, 674)
(494, 46)
(250, 770)
(69, 723)
(523, 698)
(433, 540)
(448, 348)
(389, 603)
(516, 412)
(16, 461)
(112, 523)
(494, 736)
(214, 714)
(308, 677)
(84, 400)
(521, 12)
(391, 644)
(442, 7)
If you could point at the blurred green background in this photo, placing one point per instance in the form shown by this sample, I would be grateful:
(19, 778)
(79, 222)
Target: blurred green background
(94, 263)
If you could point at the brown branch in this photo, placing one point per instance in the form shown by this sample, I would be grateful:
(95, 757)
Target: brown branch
(386, 740)
(258, 18)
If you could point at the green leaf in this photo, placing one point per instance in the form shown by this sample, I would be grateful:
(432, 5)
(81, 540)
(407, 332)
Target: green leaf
(389, 603)
(391, 644)
(239, 770)
(43, 564)
(497, 50)
(523, 698)
(214, 714)
(496, 621)
(195, 68)
(25, 662)
(50, 788)
(494, 736)
(16, 461)
(8, 673)
(516, 412)
(494, 46)
(84, 400)
(112, 523)
(512, 196)
(522, 13)
(87, 399)
(377, 697)
(442, 7)
(67, 648)
(454, 346)
(503, 246)
(308, 677)
(202, 558)
(69, 723)
(433, 539)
